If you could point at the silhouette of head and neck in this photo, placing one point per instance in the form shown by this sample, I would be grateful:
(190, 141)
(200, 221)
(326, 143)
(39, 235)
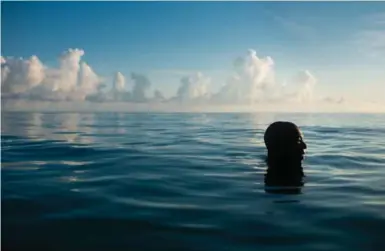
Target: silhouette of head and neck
(285, 151)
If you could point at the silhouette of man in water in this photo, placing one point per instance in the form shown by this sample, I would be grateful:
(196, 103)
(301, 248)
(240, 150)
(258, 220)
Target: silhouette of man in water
(285, 151)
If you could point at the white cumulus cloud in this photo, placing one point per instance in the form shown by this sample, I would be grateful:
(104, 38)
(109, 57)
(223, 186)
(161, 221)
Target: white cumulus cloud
(305, 82)
(253, 75)
(20, 75)
(193, 87)
(140, 88)
(251, 83)
(88, 81)
(29, 78)
(119, 82)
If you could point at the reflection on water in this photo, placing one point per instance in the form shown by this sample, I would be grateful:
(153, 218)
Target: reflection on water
(59, 127)
(131, 181)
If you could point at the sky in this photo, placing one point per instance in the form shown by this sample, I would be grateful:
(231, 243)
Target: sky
(322, 56)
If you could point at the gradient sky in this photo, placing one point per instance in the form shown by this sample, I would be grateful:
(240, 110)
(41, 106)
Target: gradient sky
(342, 44)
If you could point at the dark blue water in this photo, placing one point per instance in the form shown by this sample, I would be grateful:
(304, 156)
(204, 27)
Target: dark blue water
(121, 181)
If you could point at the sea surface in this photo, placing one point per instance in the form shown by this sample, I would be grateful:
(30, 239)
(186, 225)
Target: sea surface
(187, 181)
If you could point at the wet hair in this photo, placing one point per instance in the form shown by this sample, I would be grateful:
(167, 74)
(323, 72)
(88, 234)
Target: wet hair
(285, 149)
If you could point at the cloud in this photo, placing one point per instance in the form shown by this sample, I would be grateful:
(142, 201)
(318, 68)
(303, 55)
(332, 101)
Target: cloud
(158, 96)
(30, 79)
(119, 82)
(69, 69)
(20, 75)
(116, 93)
(88, 82)
(251, 83)
(119, 92)
(193, 88)
(141, 85)
(251, 78)
(4, 72)
(306, 82)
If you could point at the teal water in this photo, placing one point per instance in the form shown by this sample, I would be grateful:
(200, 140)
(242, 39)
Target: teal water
(136, 181)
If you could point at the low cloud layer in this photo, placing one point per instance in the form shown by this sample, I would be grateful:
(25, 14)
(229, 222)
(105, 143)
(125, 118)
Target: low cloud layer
(251, 82)
(140, 89)
(30, 79)
(193, 88)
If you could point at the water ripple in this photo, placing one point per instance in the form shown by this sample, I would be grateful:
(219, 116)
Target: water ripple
(125, 181)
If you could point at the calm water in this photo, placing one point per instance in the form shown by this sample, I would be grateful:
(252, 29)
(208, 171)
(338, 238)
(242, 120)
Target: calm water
(121, 181)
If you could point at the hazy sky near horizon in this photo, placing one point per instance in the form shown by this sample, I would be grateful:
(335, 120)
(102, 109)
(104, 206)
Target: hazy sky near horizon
(340, 44)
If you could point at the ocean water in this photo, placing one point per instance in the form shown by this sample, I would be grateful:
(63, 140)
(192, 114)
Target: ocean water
(146, 181)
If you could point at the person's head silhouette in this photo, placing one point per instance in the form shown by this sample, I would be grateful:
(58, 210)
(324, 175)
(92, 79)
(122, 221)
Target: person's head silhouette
(285, 150)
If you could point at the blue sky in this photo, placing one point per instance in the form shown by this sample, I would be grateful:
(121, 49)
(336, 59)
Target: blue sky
(332, 40)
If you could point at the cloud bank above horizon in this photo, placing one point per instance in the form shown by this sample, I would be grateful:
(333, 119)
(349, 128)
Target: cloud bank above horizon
(252, 83)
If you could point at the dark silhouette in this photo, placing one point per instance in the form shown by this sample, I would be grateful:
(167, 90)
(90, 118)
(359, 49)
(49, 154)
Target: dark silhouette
(285, 151)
